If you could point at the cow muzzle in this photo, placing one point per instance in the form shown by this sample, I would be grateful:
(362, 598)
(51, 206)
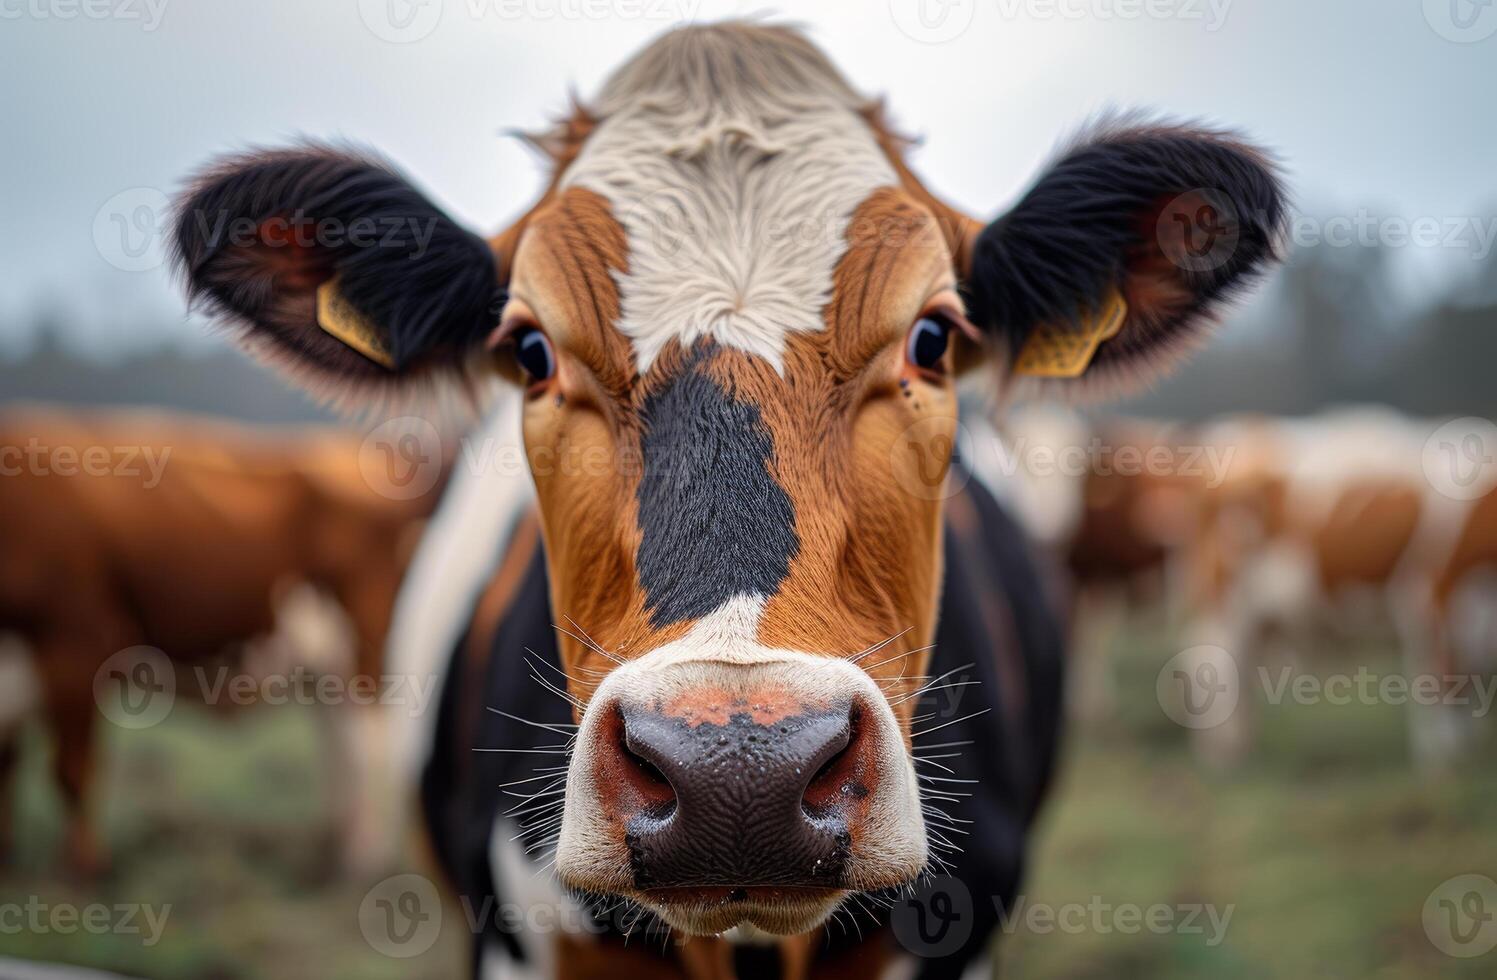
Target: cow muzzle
(748, 792)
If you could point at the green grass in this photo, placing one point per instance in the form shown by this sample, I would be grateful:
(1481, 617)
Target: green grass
(1324, 844)
(228, 821)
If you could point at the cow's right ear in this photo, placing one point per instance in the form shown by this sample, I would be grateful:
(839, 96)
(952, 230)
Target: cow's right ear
(332, 266)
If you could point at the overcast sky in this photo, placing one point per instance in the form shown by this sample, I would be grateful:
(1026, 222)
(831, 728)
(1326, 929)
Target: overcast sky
(1382, 109)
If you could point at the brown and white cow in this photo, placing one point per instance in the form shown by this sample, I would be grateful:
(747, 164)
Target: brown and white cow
(196, 537)
(737, 297)
(1333, 523)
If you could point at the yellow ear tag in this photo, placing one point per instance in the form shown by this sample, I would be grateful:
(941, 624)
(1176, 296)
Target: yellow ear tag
(337, 317)
(1055, 352)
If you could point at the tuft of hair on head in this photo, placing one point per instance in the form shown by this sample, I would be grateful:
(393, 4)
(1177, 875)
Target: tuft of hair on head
(728, 69)
(559, 143)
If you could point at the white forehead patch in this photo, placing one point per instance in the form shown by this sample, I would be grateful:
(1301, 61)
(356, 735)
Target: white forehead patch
(734, 157)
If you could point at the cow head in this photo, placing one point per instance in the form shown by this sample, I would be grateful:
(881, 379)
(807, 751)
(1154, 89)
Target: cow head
(737, 321)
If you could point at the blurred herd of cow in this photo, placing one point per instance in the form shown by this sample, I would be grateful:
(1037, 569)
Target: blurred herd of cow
(215, 544)
(1266, 537)
(268, 551)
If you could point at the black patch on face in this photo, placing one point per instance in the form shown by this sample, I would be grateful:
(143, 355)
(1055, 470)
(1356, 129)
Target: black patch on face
(715, 523)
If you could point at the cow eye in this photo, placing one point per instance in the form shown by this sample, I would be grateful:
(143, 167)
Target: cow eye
(533, 354)
(927, 342)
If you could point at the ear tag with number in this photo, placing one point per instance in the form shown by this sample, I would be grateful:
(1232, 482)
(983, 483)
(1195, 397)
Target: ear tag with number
(1057, 352)
(336, 316)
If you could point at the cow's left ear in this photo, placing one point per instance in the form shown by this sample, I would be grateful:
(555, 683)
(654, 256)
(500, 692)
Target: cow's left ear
(333, 265)
(1120, 255)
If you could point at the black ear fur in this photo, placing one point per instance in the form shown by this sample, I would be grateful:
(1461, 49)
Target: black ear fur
(1093, 221)
(429, 284)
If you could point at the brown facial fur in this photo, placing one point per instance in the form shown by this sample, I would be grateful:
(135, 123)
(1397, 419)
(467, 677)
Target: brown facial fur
(840, 418)
(869, 562)
(582, 434)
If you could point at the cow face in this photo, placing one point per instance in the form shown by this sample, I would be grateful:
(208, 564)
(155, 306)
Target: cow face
(736, 319)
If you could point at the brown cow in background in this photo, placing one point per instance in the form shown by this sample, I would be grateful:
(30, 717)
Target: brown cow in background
(1261, 536)
(1331, 527)
(198, 538)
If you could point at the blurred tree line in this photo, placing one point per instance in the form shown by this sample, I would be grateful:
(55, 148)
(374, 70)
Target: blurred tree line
(1331, 330)
(218, 380)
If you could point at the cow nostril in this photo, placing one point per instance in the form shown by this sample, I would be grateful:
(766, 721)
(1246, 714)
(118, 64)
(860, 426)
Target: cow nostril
(645, 785)
(839, 778)
(828, 770)
(647, 769)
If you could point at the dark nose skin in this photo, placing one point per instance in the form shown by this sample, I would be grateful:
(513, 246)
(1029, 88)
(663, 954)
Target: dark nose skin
(742, 804)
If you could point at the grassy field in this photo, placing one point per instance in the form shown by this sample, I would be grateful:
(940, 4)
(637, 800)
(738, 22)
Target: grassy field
(1324, 844)
(229, 822)
(1322, 849)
